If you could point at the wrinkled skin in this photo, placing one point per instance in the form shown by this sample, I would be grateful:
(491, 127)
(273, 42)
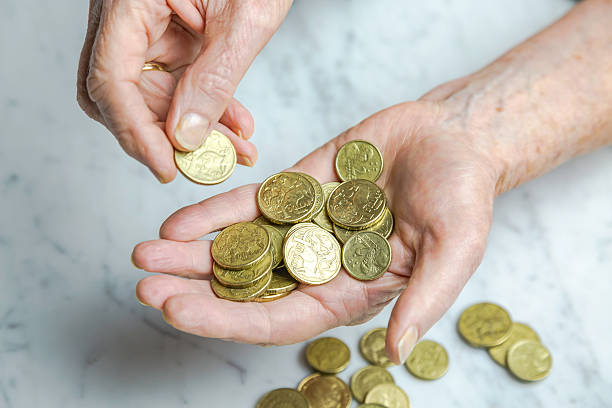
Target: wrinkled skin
(440, 191)
(207, 47)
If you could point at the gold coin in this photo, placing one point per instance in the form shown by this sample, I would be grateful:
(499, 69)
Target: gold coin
(325, 391)
(283, 398)
(328, 355)
(428, 360)
(261, 220)
(372, 347)
(211, 163)
(322, 219)
(286, 198)
(388, 395)
(269, 298)
(319, 198)
(366, 255)
(312, 255)
(241, 294)
(485, 325)
(384, 227)
(240, 245)
(281, 282)
(356, 204)
(276, 245)
(367, 378)
(371, 406)
(241, 278)
(359, 159)
(518, 332)
(529, 360)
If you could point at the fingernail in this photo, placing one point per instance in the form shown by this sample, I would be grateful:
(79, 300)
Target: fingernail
(132, 260)
(160, 179)
(141, 302)
(191, 130)
(239, 132)
(246, 161)
(407, 342)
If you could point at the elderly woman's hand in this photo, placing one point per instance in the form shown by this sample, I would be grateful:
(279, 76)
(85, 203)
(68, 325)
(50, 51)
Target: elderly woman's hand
(440, 187)
(206, 47)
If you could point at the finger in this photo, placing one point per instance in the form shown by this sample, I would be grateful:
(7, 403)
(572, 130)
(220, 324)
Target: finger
(301, 315)
(186, 259)
(232, 38)
(442, 268)
(93, 22)
(113, 81)
(212, 214)
(239, 119)
(154, 290)
(157, 88)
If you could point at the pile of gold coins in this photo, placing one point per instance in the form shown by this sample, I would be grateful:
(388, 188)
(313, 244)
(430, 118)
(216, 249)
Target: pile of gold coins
(372, 386)
(513, 345)
(308, 231)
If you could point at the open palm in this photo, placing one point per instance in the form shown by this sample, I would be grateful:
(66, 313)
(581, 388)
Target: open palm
(441, 194)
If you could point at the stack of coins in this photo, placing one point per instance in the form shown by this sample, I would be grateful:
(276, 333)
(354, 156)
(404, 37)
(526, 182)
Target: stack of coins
(245, 257)
(211, 163)
(513, 345)
(312, 230)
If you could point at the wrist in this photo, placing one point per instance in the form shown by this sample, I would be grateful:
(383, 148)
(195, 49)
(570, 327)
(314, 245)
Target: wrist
(540, 104)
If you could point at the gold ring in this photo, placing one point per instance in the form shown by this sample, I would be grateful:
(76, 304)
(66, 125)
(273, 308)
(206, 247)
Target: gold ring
(154, 66)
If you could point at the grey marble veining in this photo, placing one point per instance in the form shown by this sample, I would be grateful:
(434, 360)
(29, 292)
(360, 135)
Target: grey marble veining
(73, 205)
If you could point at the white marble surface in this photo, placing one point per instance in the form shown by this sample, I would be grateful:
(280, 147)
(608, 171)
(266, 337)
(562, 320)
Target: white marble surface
(73, 205)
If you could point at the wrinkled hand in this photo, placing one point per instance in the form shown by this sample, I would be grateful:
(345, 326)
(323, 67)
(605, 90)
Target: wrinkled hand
(207, 47)
(440, 188)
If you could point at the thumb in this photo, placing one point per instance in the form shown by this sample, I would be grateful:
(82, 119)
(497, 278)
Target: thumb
(442, 268)
(232, 39)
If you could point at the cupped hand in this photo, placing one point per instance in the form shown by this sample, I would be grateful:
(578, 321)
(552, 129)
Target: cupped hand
(440, 186)
(206, 46)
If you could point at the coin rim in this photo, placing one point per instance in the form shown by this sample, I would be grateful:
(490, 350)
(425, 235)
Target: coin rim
(269, 298)
(207, 183)
(275, 262)
(276, 291)
(339, 228)
(382, 161)
(245, 299)
(242, 285)
(319, 197)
